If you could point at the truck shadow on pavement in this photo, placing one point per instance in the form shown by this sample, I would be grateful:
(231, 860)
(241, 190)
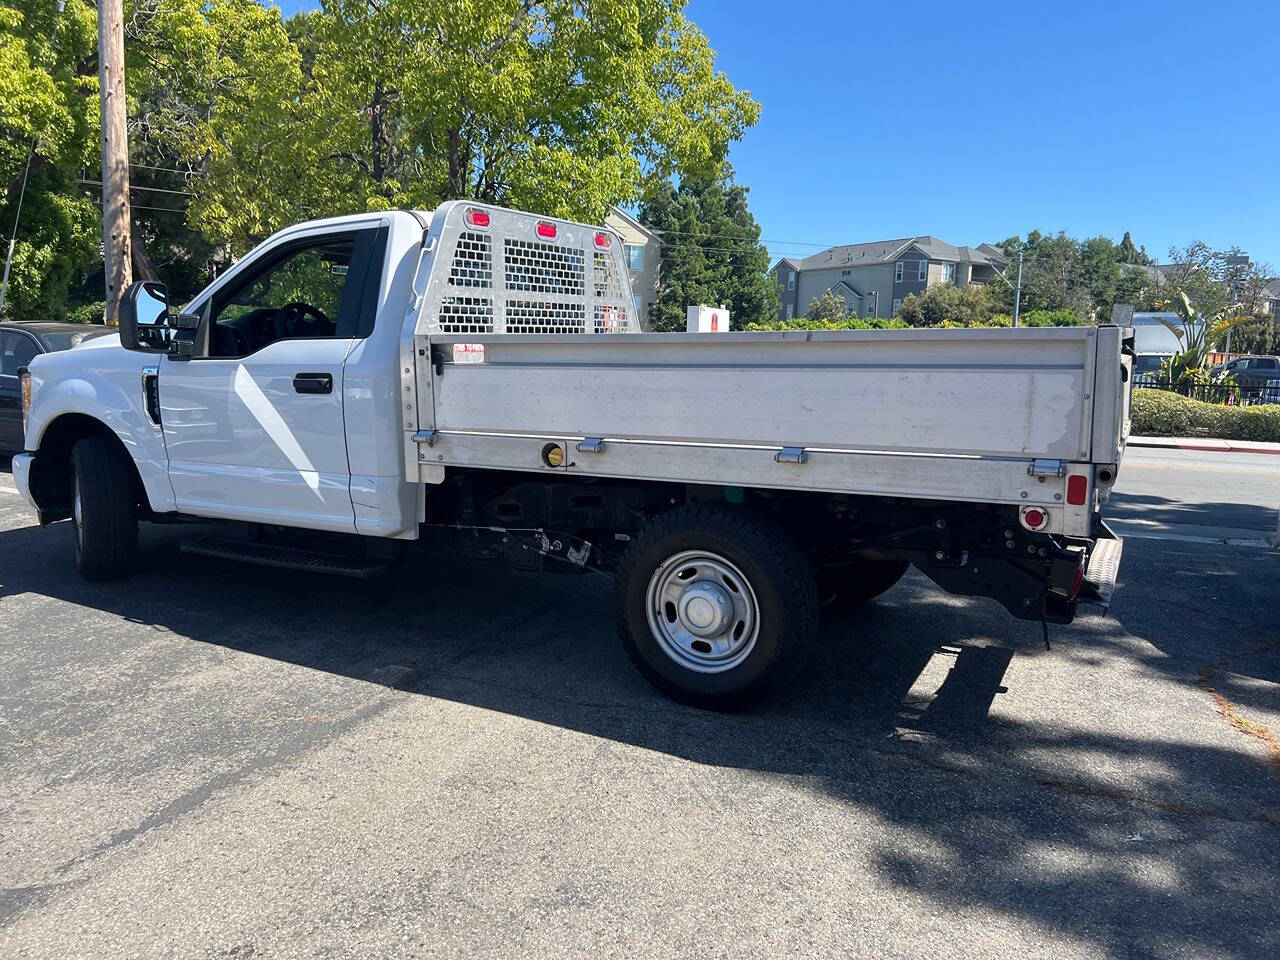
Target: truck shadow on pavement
(1111, 824)
(1244, 516)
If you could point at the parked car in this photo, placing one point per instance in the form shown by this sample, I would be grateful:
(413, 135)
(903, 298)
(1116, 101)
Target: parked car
(20, 343)
(1270, 392)
(1251, 373)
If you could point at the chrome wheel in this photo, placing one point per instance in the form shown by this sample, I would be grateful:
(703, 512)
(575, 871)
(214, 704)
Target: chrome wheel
(703, 612)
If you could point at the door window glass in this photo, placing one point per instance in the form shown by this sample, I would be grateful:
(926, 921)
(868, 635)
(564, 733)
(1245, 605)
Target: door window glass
(16, 351)
(297, 294)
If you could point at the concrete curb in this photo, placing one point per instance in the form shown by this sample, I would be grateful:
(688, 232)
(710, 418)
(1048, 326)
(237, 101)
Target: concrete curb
(1210, 444)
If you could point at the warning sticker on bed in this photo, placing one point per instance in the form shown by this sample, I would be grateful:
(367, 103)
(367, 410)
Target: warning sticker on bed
(468, 353)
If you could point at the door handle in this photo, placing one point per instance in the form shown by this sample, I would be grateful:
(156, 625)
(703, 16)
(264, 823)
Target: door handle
(313, 383)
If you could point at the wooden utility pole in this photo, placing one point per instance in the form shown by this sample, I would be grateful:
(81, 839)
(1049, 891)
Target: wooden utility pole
(115, 155)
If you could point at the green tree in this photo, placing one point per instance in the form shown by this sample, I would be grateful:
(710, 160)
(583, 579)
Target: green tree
(947, 303)
(1133, 254)
(48, 112)
(559, 106)
(829, 309)
(711, 252)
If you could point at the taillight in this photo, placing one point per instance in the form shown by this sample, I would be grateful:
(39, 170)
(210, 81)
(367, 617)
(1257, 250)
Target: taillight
(1077, 489)
(476, 218)
(602, 240)
(24, 380)
(546, 230)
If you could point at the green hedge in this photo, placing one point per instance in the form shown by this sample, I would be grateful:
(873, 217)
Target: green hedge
(1159, 413)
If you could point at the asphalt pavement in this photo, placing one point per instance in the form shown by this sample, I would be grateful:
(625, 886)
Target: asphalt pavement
(211, 760)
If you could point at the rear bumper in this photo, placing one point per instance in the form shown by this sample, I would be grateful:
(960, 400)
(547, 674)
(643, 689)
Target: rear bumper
(22, 477)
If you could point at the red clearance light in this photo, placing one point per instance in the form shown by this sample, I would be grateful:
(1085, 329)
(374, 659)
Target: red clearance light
(1034, 519)
(547, 230)
(1077, 487)
(602, 240)
(477, 218)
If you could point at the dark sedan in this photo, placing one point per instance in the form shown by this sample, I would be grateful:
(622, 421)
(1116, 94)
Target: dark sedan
(19, 343)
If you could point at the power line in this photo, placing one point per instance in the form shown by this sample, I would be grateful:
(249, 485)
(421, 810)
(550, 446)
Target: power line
(185, 173)
(132, 186)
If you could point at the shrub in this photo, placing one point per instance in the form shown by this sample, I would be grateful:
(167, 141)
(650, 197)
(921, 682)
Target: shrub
(1048, 318)
(817, 323)
(87, 313)
(1161, 413)
(963, 306)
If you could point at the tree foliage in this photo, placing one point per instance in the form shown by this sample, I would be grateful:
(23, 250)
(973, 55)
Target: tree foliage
(48, 113)
(711, 252)
(945, 302)
(560, 106)
(241, 122)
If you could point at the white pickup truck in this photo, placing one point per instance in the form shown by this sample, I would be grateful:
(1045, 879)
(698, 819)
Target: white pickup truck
(478, 376)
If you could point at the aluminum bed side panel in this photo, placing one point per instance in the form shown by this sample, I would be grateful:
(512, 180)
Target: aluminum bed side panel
(1019, 396)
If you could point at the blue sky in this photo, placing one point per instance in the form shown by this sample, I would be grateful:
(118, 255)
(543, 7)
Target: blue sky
(973, 122)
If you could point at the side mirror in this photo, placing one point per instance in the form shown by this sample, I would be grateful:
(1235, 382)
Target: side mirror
(144, 317)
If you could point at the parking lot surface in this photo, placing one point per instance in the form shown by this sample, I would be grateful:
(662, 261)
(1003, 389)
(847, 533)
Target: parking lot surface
(212, 760)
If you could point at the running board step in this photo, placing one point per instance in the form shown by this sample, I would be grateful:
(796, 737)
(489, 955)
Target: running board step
(1100, 576)
(289, 558)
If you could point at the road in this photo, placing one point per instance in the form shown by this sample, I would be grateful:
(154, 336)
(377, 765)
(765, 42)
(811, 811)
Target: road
(211, 760)
(1227, 495)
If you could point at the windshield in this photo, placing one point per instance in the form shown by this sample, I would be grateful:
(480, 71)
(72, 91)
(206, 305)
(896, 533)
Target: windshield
(65, 341)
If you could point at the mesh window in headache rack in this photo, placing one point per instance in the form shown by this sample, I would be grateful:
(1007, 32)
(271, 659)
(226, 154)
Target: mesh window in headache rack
(505, 279)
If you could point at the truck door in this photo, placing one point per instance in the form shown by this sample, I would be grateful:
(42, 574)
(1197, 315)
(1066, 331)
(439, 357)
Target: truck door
(254, 426)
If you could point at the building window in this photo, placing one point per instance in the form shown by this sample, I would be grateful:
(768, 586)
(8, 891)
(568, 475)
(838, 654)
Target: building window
(869, 306)
(897, 272)
(897, 302)
(635, 256)
(790, 311)
(791, 281)
(948, 273)
(924, 270)
(639, 306)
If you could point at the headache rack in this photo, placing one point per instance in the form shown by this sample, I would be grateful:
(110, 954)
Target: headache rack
(502, 271)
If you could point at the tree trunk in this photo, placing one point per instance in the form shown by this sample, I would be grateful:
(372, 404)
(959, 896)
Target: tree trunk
(144, 267)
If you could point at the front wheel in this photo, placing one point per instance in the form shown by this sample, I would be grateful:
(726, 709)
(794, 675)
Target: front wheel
(715, 605)
(104, 510)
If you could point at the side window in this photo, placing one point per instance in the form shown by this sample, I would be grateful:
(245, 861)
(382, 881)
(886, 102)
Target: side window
(16, 351)
(315, 288)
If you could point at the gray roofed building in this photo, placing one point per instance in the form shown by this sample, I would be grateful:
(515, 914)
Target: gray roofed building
(874, 278)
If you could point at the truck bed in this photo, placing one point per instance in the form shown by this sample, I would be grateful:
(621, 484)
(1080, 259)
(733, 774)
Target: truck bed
(949, 414)
(523, 336)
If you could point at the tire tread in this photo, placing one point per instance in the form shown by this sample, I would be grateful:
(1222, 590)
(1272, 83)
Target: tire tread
(109, 508)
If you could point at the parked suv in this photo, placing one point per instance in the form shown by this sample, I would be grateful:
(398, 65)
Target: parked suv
(1251, 373)
(20, 343)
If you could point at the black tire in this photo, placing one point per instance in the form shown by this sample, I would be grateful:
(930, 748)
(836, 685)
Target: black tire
(850, 585)
(781, 584)
(104, 527)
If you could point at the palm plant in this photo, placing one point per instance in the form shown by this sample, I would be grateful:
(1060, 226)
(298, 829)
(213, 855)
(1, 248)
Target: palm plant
(1196, 333)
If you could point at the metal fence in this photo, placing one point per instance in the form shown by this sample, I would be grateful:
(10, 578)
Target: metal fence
(1207, 392)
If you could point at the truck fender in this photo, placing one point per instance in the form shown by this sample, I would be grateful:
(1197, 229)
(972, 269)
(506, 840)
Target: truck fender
(71, 403)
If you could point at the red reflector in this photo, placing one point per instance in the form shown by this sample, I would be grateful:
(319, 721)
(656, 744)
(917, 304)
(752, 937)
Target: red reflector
(1077, 487)
(602, 240)
(547, 230)
(1078, 581)
(1034, 519)
(477, 218)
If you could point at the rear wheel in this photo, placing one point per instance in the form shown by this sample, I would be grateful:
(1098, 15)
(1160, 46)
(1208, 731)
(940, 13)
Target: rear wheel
(104, 514)
(715, 605)
(853, 584)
